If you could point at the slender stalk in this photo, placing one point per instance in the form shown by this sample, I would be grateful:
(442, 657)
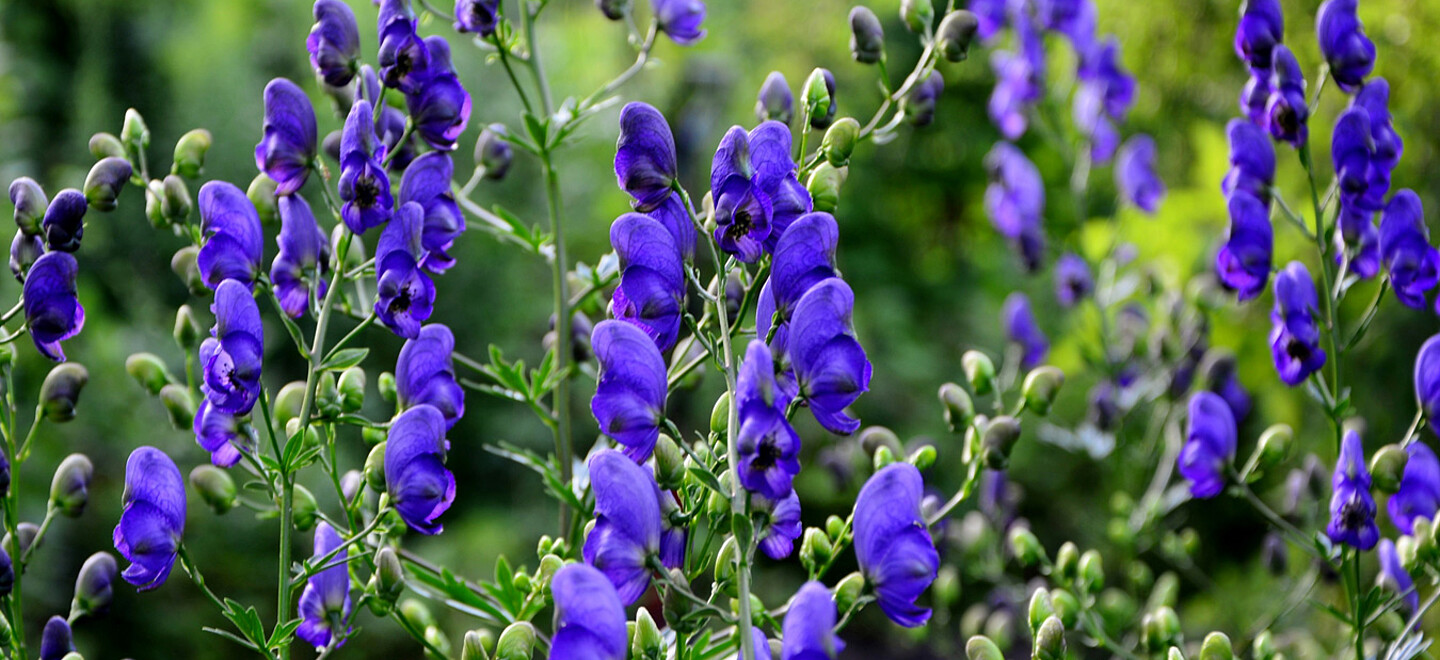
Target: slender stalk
(536, 67)
(563, 341)
(12, 520)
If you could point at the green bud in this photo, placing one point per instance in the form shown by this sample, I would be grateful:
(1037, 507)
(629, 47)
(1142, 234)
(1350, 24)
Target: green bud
(70, 487)
(918, 15)
(726, 563)
(824, 185)
(305, 508)
(1423, 530)
(94, 587)
(1040, 610)
(883, 458)
(184, 265)
(375, 468)
(1165, 592)
(1386, 467)
(105, 145)
(372, 436)
(1066, 605)
(1025, 547)
(179, 404)
(352, 389)
(417, 613)
(389, 575)
(676, 606)
(999, 440)
(1067, 561)
(1174, 654)
(959, 408)
(834, 527)
(848, 590)
(819, 98)
(816, 549)
(105, 181)
(288, 402)
(262, 196)
(1274, 445)
(669, 463)
(187, 333)
(923, 457)
(1050, 640)
(549, 565)
(436, 638)
(648, 644)
(353, 257)
(134, 134)
(60, 392)
(1041, 386)
(386, 385)
(872, 438)
(73, 655)
(473, 648)
(327, 395)
(972, 621)
(1406, 549)
(154, 200)
(956, 32)
(1091, 572)
(981, 648)
(190, 153)
(1217, 647)
(720, 415)
(1263, 648)
(979, 372)
(149, 371)
(839, 141)
(516, 642)
(1390, 625)
(999, 626)
(1160, 629)
(175, 203)
(215, 487)
(7, 355)
(945, 591)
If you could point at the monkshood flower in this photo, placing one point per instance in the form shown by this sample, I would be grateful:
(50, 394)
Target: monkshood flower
(1017, 87)
(420, 486)
(1419, 493)
(1104, 97)
(427, 183)
(439, 108)
(287, 147)
(56, 641)
(991, 17)
(629, 400)
(757, 196)
(1252, 161)
(1352, 509)
(1261, 29)
(831, 370)
(334, 43)
(425, 374)
(679, 219)
(390, 127)
(1427, 381)
(1015, 198)
(651, 294)
(1243, 264)
(1295, 336)
(1222, 378)
(919, 104)
(1351, 151)
(627, 523)
(680, 20)
(804, 257)
(1405, 249)
(1073, 282)
(892, 545)
(1022, 330)
(234, 241)
(52, 308)
(776, 101)
(1394, 577)
(777, 538)
(589, 616)
(325, 602)
(478, 16)
(231, 356)
(405, 295)
(1359, 241)
(1135, 173)
(364, 186)
(769, 447)
(761, 645)
(304, 257)
(64, 222)
(1374, 97)
(404, 59)
(1073, 18)
(1254, 95)
(1286, 113)
(808, 632)
(225, 435)
(645, 156)
(1209, 444)
(1349, 52)
(153, 519)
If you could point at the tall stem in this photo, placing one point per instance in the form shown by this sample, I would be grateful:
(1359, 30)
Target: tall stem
(563, 352)
(12, 519)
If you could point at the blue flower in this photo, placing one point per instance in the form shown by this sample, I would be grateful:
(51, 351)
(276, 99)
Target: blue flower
(1209, 444)
(757, 195)
(1295, 335)
(231, 356)
(1243, 264)
(1419, 493)
(1135, 173)
(55, 640)
(1021, 329)
(1073, 18)
(1254, 95)
(645, 156)
(831, 370)
(678, 218)
(225, 435)
(1015, 198)
(234, 241)
(52, 308)
(991, 16)
(1261, 29)
(287, 147)
(629, 400)
(405, 296)
(425, 375)
(919, 103)
(153, 520)
(427, 183)
(760, 643)
(1103, 98)
(1073, 282)
(769, 447)
(325, 603)
(64, 222)
(1374, 97)
(804, 257)
(404, 59)
(1352, 151)
(1349, 52)
(1427, 381)
(440, 107)
(777, 537)
(1018, 85)
(892, 544)
(808, 632)
(680, 20)
(364, 186)
(1359, 241)
(1405, 249)
(420, 487)
(1252, 161)
(478, 16)
(775, 101)
(1352, 509)
(303, 259)
(627, 522)
(1394, 577)
(589, 616)
(30, 204)
(334, 43)
(1286, 113)
(651, 294)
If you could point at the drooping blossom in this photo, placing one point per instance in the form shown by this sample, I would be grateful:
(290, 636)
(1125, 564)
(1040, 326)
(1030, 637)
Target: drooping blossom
(651, 293)
(478, 16)
(52, 307)
(226, 435)
(804, 257)
(1295, 335)
(233, 240)
(1352, 508)
(1209, 444)
(589, 616)
(777, 537)
(1286, 113)
(231, 356)
(627, 522)
(325, 603)
(1419, 493)
(629, 400)
(1135, 173)
(757, 195)
(303, 259)
(808, 632)
(334, 43)
(364, 185)
(1394, 577)
(153, 518)
(1427, 381)
(1073, 281)
(1350, 54)
(1022, 330)
(681, 20)
(55, 640)
(1015, 198)
(427, 183)
(1261, 29)
(1103, 98)
(420, 486)
(1243, 263)
(769, 448)
(403, 59)
(831, 369)
(440, 107)
(287, 147)
(405, 295)
(892, 545)
(64, 221)
(645, 156)
(425, 374)
(775, 101)
(1405, 249)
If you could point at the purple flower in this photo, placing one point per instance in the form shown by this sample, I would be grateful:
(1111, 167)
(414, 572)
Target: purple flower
(645, 156)
(1419, 493)
(1102, 78)
(303, 259)
(427, 183)
(334, 43)
(1015, 198)
(769, 447)
(153, 520)
(629, 400)
(1352, 509)
(627, 523)
(1135, 173)
(325, 602)
(1018, 85)
(1351, 150)
(589, 616)
(1295, 335)
(405, 296)
(404, 59)
(225, 435)
(1252, 161)
(680, 20)
(52, 308)
(761, 645)
(1286, 113)
(991, 16)
(1221, 377)
(804, 257)
(1261, 29)
(390, 127)
(1072, 279)
(1359, 241)
(1374, 97)
(1427, 381)
(1394, 577)
(892, 545)
(1021, 329)
(64, 222)
(1254, 95)
(1073, 18)
(364, 186)
(55, 640)
(919, 104)
(478, 16)
(1209, 444)
(440, 107)
(808, 632)
(231, 356)
(425, 375)
(287, 147)
(1343, 43)
(776, 101)
(831, 370)
(1243, 264)
(651, 294)
(420, 487)
(1405, 249)
(234, 241)
(777, 537)
(679, 220)
(757, 196)
(30, 203)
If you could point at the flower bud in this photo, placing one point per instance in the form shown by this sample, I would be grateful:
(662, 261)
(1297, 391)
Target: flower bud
(848, 590)
(288, 402)
(720, 414)
(105, 181)
(945, 591)
(215, 487)
(824, 185)
(867, 37)
(24, 250)
(956, 32)
(385, 384)
(959, 408)
(1066, 605)
(190, 153)
(922, 458)
(725, 565)
(493, 151)
(819, 93)
(25, 534)
(375, 468)
(1217, 647)
(1160, 629)
(262, 195)
(1174, 654)
(134, 134)
(1263, 647)
(669, 463)
(7, 577)
(389, 575)
(417, 613)
(775, 100)
(149, 371)
(979, 372)
(187, 333)
(839, 141)
(179, 404)
(884, 457)
(30, 204)
(875, 437)
(1040, 610)
(647, 643)
(305, 509)
(1000, 626)
(1274, 554)
(1091, 572)
(70, 487)
(1041, 386)
(435, 637)
(972, 621)
(918, 15)
(981, 648)
(1025, 547)
(154, 201)
(998, 441)
(94, 585)
(1274, 445)
(1050, 640)
(1067, 561)
(186, 267)
(175, 201)
(352, 389)
(516, 642)
(1387, 466)
(834, 527)
(104, 145)
(473, 648)
(815, 549)
(60, 392)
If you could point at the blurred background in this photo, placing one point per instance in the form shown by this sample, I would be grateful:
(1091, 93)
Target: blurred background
(928, 270)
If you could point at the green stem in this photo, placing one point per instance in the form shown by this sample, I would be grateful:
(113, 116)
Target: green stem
(1327, 302)
(533, 60)
(1359, 616)
(510, 71)
(12, 520)
(39, 536)
(563, 341)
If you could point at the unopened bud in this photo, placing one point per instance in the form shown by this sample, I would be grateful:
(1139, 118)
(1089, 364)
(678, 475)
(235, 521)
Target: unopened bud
(70, 487)
(884, 457)
(105, 181)
(149, 371)
(875, 437)
(385, 384)
(375, 468)
(390, 576)
(819, 96)
(999, 439)
(187, 333)
(24, 250)
(305, 509)
(1387, 467)
(647, 644)
(516, 642)
(945, 591)
(675, 605)
(720, 414)
(190, 152)
(775, 101)
(979, 372)
(981, 648)
(1066, 605)
(30, 204)
(134, 134)
(352, 389)
(1274, 444)
(816, 549)
(1041, 386)
(105, 145)
(725, 565)
(493, 151)
(1050, 640)
(1025, 547)
(848, 590)
(1067, 561)
(175, 203)
(473, 648)
(956, 32)
(60, 392)
(613, 9)
(669, 463)
(824, 185)
(179, 404)
(185, 265)
(922, 458)
(1263, 647)
(918, 15)
(1217, 647)
(1040, 609)
(215, 487)
(288, 402)
(437, 645)
(1091, 572)
(1160, 629)
(25, 535)
(959, 407)
(867, 37)
(839, 141)
(94, 586)
(262, 196)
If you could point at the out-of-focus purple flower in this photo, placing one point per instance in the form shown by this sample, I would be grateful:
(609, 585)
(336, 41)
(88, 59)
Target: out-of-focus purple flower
(427, 183)
(1286, 113)
(334, 43)
(769, 447)
(627, 522)
(153, 520)
(1427, 381)
(1349, 52)
(1351, 150)
(804, 257)
(892, 545)
(1394, 577)
(1374, 97)
(775, 101)
(808, 632)
(1243, 264)
(1135, 173)
(405, 295)
(478, 16)
(680, 20)
(52, 306)
(1419, 493)
(777, 538)
(757, 196)
(231, 356)
(1017, 86)
(56, 641)
(1222, 378)
(1261, 29)
(919, 103)
(1254, 95)
(1104, 411)
(589, 616)
(1073, 18)
(1104, 97)
(225, 435)
(425, 374)
(1209, 444)
(364, 185)
(1072, 279)
(1015, 198)
(404, 59)
(287, 147)
(1252, 161)
(630, 393)
(645, 156)
(303, 259)
(651, 294)
(234, 241)
(24, 250)
(1295, 335)
(440, 108)
(1405, 249)
(1359, 241)
(1352, 509)
(420, 486)
(64, 222)
(761, 645)
(831, 370)
(1022, 330)
(325, 603)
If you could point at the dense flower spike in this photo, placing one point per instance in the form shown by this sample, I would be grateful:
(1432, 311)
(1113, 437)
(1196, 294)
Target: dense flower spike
(390, 127)
(1209, 444)
(1352, 509)
(1419, 493)
(1406, 251)
(1243, 264)
(681, 19)
(991, 17)
(1261, 29)
(1351, 150)
(420, 486)
(892, 544)
(478, 16)
(303, 259)
(427, 183)
(439, 108)
(651, 294)
(231, 356)
(1286, 113)
(404, 59)
(1252, 161)
(808, 632)
(757, 195)
(1021, 330)
(334, 43)
(64, 222)
(630, 393)
(52, 308)
(1018, 85)
(1015, 198)
(777, 538)
(1073, 282)
(425, 374)
(1349, 52)
(1374, 97)
(1135, 173)
(1427, 381)
(287, 147)
(627, 522)
(769, 447)
(831, 370)
(325, 602)
(405, 295)
(153, 520)
(364, 186)
(234, 241)
(645, 156)
(589, 616)
(1295, 335)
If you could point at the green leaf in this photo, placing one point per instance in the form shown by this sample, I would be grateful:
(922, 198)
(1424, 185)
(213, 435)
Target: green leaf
(282, 634)
(232, 637)
(537, 129)
(709, 480)
(743, 529)
(344, 359)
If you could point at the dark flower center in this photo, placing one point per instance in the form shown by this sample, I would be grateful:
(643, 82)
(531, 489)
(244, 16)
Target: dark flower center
(766, 456)
(1287, 119)
(1297, 350)
(401, 303)
(366, 191)
(1353, 514)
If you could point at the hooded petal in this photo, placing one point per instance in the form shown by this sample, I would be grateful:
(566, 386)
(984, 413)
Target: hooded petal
(288, 143)
(589, 616)
(52, 308)
(425, 374)
(415, 475)
(830, 366)
(645, 155)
